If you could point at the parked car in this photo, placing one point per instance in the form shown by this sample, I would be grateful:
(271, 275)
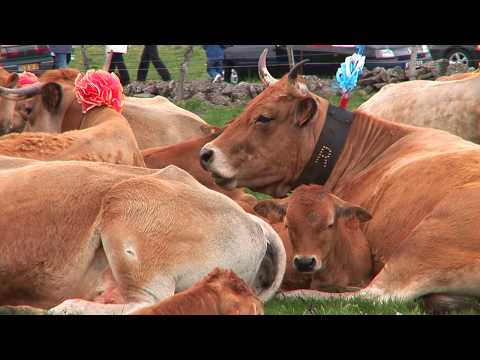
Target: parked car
(457, 54)
(242, 60)
(32, 58)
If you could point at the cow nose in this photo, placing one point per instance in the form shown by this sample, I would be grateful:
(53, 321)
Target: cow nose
(206, 157)
(304, 263)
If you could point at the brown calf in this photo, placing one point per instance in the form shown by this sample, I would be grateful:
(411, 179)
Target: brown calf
(221, 292)
(274, 212)
(10, 118)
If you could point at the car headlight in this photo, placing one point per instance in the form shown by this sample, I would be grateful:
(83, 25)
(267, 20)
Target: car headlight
(384, 53)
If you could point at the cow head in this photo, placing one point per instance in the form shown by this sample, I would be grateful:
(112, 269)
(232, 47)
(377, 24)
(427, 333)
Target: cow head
(44, 105)
(10, 118)
(319, 223)
(267, 146)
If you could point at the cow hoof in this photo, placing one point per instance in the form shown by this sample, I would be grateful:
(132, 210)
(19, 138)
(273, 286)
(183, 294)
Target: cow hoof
(68, 307)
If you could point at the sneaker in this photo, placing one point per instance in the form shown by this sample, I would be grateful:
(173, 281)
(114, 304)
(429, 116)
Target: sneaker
(217, 78)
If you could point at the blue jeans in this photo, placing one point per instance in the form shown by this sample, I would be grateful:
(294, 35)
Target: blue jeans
(214, 67)
(60, 60)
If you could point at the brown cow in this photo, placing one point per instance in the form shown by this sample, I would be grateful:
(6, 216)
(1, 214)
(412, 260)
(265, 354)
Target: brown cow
(326, 239)
(185, 156)
(219, 293)
(105, 135)
(154, 121)
(76, 230)
(422, 186)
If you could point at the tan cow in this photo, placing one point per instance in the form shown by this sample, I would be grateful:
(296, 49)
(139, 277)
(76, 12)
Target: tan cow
(10, 118)
(105, 134)
(185, 156)
(459, 76)
(453, 106)
(422, 186)
(76, 230)
(219, 293)
(154, 121)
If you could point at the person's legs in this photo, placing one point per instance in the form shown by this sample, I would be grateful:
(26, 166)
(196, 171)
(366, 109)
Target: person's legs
(159, 65)
(144, 63)
(212, 72)
(60, 60)
(117, 62)
(122, 69)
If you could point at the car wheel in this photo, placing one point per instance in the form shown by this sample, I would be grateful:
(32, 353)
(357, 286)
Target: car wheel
(459, 57)
(234, 78)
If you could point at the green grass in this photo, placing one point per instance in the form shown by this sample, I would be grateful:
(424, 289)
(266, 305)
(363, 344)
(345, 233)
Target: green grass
(341, 307)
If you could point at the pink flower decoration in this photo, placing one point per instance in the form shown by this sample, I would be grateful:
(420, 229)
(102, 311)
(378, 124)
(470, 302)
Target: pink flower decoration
(27, 78)
(99, 88)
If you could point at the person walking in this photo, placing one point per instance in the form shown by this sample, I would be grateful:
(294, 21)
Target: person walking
(215, 55)
(61, 53)
(150, 53)
(117, 62)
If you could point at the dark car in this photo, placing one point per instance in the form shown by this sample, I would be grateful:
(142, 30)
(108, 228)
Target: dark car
(32, 58)
(242, 60)
(457, 54)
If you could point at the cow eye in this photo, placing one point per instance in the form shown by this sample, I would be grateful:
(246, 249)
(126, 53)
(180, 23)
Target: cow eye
(263, 119)
(330, 226)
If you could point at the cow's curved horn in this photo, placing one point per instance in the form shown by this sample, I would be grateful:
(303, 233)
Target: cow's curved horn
(21, 93)
(293, 74)
(263, 73)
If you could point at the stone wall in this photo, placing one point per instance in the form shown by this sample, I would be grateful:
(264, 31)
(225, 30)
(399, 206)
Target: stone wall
(223, 93)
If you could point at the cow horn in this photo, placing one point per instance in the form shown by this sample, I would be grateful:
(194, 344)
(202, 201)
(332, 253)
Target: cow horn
(293, 74)
(21, 93)
(263, 73)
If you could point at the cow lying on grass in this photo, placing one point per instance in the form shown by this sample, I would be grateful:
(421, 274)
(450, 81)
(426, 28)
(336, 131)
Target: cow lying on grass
(185, 156)
(105, 135)
(326, 239)
(449, 105)
(84, 230)
(219, 293)
(154, 121)
(421, 186)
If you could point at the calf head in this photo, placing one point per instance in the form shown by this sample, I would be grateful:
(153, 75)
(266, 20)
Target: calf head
(267, 146)
(318, 224)
(235, 297)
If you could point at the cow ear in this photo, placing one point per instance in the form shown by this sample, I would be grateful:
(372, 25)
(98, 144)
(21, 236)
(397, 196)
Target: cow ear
(350, 211)
(271, 210)
(52, 95)
(12, 80)
(305, 111)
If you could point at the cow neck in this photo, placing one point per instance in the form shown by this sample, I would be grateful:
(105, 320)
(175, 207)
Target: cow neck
(328, 148)
(368, 139)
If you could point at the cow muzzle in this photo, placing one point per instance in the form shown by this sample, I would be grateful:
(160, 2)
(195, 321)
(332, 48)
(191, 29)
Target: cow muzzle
(214, 161)
(306, 264)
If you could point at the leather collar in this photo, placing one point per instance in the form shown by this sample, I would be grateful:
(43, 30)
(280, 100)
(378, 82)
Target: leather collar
(328, 148)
